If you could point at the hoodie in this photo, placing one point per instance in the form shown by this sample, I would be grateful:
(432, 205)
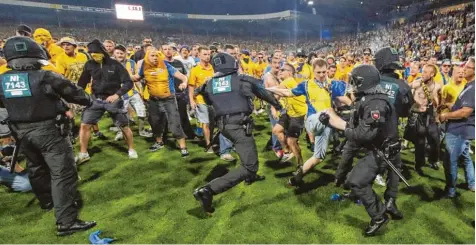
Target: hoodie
(108, 78)
(43, 37)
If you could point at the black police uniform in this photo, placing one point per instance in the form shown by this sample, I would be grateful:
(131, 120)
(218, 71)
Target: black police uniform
(400, 95)
(231, 95)
(375, 126)
(31, 97)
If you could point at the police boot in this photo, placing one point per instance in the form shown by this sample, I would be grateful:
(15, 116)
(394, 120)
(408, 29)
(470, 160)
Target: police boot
(296, 180)
(75, 226)
(391, 208)
(254, 178)
(375, 225)
(205, 196)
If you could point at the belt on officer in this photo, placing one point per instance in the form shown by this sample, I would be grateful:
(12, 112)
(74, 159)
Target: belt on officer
(26, 125)
(226, 118)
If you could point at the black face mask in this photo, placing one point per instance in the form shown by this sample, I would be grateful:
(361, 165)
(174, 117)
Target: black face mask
(246, 60)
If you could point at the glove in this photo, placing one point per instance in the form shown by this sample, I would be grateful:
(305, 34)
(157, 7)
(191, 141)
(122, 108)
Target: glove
(94, 238)
(324, 118)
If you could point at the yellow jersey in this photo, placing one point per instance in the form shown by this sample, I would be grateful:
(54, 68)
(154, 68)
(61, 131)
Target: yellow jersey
(158, 78)
(259, 69)
(295, 106)
(248, 68)
(450, 92)
(198, 76)
(303, 72)
(411, 78)
(71, 66)
(54, 51)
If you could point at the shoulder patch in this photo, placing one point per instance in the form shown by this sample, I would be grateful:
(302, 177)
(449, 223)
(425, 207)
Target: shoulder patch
(375, 115)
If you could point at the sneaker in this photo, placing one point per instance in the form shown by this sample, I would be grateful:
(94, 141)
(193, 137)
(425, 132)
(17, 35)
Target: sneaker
(379, 180)
(435, 165)
(156, 146)
(114, 129)
(133, 154)
(146, 134)
(82, 158)
(99, 135)
(227, 157)
(119, 136)
(287, 156)
(209, 149)
(184, 152)
(260, 111)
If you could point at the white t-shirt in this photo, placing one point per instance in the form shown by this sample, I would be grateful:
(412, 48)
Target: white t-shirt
(188, 63)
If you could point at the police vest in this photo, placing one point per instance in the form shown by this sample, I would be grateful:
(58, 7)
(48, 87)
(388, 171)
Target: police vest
(225, 95)
(26, 98)
(399, 94)
(388, 123)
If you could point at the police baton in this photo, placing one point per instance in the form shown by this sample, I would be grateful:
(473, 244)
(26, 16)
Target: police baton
(17, 145)
(381, 155)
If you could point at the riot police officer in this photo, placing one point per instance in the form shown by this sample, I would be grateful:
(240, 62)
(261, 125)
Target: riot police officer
(398, 91)
(374, 127)
(31, 97)
(231, 96)
(400, 95)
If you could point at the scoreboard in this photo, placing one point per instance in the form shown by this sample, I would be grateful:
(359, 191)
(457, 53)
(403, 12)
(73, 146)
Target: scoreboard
(129, 12)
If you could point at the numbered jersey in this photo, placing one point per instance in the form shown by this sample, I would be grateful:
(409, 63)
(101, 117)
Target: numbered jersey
(25, 96)
(225, 94)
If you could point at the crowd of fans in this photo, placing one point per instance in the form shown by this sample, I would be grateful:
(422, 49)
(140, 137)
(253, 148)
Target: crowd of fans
(435, 38)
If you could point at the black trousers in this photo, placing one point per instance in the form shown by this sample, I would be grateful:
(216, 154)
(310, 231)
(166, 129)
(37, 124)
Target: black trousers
(164, 112)
(245, 146)
(361, 179)
(182, 101)
(432, 136)
(51, 167)
(351, 150)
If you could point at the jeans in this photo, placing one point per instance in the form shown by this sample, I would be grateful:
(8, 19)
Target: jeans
(274, 138)
(17, 182)
(456, 147)
(225, 145)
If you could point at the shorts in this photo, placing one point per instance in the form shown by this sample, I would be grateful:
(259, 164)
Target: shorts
(162, 111)
(292, 125)
(137, 104)
(321, 135)
(4, 129)
(203, 113)
(91, 115)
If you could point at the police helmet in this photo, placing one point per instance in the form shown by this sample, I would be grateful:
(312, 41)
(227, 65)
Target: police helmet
(387, 59)
(224, 63)
(364, 77)
(23, 47)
